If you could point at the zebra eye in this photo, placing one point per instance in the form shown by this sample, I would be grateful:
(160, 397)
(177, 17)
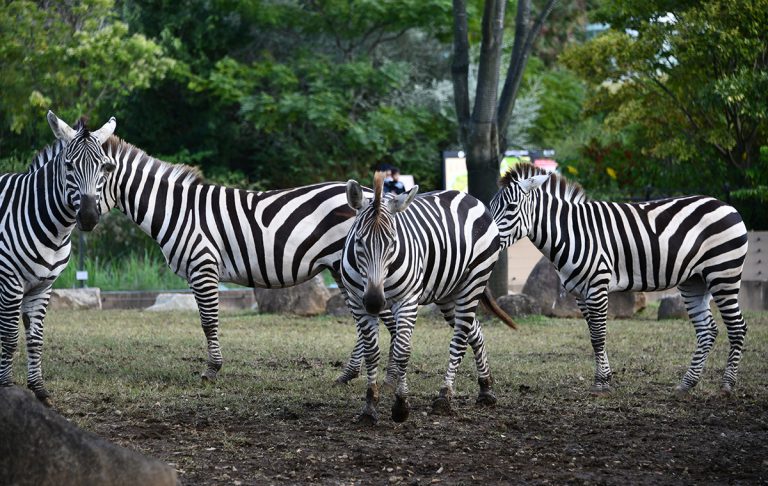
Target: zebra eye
(69, 165)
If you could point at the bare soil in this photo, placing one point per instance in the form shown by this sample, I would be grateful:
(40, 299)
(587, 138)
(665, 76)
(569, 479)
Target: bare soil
(525, 439)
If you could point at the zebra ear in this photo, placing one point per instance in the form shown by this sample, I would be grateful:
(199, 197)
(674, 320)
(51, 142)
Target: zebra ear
(400, 202)
(355, 197)
(61, 130)
(532, 183)
(103, 133)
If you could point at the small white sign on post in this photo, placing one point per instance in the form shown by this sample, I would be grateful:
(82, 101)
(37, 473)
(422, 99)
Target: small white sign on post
(81, 275)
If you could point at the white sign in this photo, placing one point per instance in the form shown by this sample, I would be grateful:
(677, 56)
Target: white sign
(81, 275)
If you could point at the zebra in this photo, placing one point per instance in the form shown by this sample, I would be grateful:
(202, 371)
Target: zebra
(404, 251)
(695, 243)
(38, 211)
(210, 233)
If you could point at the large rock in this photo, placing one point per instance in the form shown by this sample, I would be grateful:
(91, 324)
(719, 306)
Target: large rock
(672, 307)
(517, 305)
(173, 302)
(307, 299)
(41, 448)
(544, 287)
(88, 298)
(337, 306)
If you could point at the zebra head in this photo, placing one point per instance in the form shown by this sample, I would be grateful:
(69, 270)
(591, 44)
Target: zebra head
(85, 166)
(511, 206)
(374, 236)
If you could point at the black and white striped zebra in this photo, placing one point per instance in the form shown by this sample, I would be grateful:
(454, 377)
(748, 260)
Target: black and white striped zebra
(697, 244)
(404, 251)
(38, 211)
(211, 233)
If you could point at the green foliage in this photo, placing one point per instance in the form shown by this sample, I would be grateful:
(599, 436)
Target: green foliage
(75, 58)
(132, 272)
(692, 79)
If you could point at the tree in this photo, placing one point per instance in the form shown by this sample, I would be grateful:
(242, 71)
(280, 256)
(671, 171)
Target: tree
(75, 58)
(690, 79)
(483, 128)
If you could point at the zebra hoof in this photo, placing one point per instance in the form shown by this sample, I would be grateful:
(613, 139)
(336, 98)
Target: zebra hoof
(682, 392)
(486, 399)
(209, 376)
(602, 390)
(400, 409)
(726, 390)
(343, 380)
(441, 406)
(367, 418)
(44, 397)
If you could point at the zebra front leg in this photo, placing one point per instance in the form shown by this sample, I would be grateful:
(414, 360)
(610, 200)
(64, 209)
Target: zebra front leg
(484, 378)
(400, 354)
(10, 304)
(595, 310)
(33, 309)
(355, 364)
(392, 377)
(368, 334)
(442, 404)
(205, 286)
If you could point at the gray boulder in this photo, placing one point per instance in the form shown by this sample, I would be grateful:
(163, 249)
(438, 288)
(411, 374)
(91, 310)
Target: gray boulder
(307, 299)
(41, 448)
(544, 287)
(173, 302)
(519, 305)
(337, 306)
(78, 299)
(672, 307)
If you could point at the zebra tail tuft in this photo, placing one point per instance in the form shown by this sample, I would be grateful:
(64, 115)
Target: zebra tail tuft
(490, 303)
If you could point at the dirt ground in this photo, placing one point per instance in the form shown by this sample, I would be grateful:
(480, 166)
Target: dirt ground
(274, 417)
(525, 439)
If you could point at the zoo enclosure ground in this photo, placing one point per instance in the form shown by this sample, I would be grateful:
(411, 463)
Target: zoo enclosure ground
(275, 417)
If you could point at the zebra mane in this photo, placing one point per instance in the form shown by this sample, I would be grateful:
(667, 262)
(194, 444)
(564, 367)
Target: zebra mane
(46, 155)
(118, 147)
(378, 192)
(557, 185)
(50, 152)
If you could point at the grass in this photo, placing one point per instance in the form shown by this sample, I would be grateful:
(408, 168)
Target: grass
(127, 374)
(133, 272)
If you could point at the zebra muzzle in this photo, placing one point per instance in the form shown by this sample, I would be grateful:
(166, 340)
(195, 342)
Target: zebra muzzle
(374, 300)
(88, 215)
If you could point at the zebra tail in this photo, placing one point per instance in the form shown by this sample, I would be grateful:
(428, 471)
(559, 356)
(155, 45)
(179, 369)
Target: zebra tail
(490, 303)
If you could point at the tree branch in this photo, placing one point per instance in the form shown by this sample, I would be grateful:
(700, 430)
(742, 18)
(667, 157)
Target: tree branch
(484, 111)
(521, 51)
(460, 68)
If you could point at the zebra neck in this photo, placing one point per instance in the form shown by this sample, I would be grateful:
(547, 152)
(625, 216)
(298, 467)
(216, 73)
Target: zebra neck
(548, 215)
(46, 202)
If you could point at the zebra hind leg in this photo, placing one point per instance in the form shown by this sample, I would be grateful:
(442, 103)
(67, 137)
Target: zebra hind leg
(727, 301)
(484, 379)
(33, 310)
(462, 326)
(696, 297)
(205, 286)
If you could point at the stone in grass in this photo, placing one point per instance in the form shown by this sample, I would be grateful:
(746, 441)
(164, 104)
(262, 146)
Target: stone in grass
(672, 307)
(337, 306)
(307, 299)
(519, 305)
(40, 447)
(173, 302)
(78, 299)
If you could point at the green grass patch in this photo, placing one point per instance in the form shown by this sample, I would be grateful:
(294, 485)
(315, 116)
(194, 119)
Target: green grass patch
(132, 272)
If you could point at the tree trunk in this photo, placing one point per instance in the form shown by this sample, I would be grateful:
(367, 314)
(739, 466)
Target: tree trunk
(483, 177)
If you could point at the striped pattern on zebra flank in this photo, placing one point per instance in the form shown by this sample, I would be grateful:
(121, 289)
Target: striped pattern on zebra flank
(696, 243)
(38, 211)
(407, 250)
(210, 233)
